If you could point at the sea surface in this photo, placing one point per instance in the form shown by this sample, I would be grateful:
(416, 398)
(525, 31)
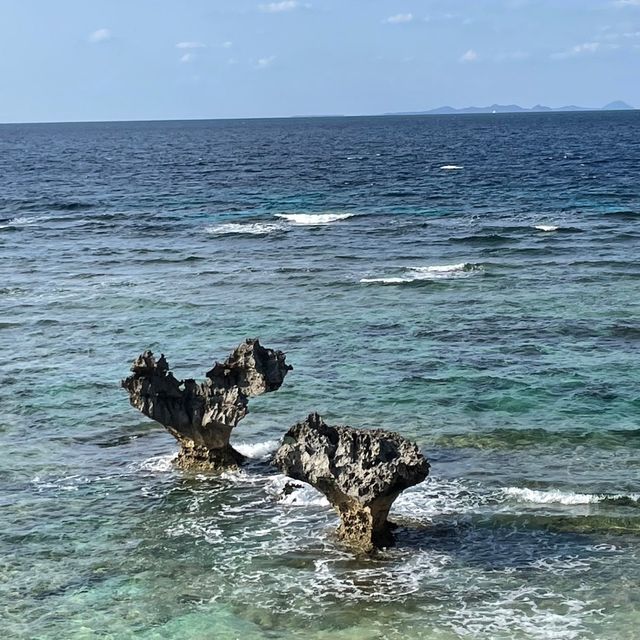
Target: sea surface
(472, 282)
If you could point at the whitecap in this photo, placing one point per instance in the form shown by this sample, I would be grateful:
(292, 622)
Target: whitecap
(385, 280)
(451, 167)
(24, 221)
(444, 268)
(313, 219)
(555, 496)
(433, 272)
(257, 449)
(546, 227)
(251, 228)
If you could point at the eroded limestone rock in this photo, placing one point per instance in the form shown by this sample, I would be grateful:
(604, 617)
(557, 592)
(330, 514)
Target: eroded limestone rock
(360, 471)
(201, 416)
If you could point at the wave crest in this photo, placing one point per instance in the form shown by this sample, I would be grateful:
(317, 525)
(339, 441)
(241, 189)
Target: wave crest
(257, 450)
(249, 228)
(556, 496)
(313, 219)
(433, 272)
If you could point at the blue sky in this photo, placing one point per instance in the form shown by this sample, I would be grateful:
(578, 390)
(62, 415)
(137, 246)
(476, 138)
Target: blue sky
(153, 59)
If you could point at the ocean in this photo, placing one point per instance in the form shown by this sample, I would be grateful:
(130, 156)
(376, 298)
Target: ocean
(471, 282)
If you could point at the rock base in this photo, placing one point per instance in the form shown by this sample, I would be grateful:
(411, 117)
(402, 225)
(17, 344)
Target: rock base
(365, 528)
(203, 459)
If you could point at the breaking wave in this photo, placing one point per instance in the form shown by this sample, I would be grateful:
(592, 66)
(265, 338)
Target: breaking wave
(257, 450)
(434, 272)
(159, 464)
(555, 496)
(248, 228)
(313, 219)
(24, 221)
(546, 227)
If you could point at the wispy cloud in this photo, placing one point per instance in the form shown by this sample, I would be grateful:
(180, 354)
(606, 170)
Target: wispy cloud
(227, 45)
(279, 7)
(100, 35)
(627, 3)
(578, 50)
(190, 45)
(399, 18)
(264, 63)
(469, 56)
(187, 57)
(625, 35)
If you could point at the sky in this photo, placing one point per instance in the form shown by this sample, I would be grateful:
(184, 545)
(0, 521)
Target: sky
(78, 60)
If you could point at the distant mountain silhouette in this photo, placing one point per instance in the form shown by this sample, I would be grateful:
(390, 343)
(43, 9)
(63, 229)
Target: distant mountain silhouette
(618, 105)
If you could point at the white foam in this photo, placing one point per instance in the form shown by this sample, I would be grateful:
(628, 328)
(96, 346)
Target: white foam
(193, 529)
(302, 494)
(251, 228)
(521, 612)
(436, 497)
(386, 280)
(159, 464)
(433, 272)
(443, 268)
(313, 219)
(25, 221)
(257, 449)
(451, 167)
(555, 496)
(546, 227)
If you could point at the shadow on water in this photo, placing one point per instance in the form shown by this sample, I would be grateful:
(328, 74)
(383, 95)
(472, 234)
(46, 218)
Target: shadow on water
(521, 542)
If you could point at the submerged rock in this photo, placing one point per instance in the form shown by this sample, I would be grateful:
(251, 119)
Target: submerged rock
(202, 415)
(360, 471)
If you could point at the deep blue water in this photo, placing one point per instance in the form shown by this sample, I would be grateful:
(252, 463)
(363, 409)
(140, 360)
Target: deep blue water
(469, 281)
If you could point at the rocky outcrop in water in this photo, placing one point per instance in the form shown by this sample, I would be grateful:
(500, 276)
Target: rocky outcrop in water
(201, 416)
(360, 471)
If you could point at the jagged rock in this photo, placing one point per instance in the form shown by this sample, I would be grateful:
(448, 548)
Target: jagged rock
(201, 416)
(360, 471)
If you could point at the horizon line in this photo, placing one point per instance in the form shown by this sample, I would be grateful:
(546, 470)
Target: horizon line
(399, 114)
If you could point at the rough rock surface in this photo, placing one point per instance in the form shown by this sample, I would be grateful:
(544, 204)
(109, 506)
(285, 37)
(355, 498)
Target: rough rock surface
(201, 416)
(360, 471)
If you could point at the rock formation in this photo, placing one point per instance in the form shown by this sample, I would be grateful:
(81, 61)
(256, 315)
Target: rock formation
(360, 471)
(201, 416)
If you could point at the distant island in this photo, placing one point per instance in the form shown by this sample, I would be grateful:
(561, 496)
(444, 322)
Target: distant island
(617, 105)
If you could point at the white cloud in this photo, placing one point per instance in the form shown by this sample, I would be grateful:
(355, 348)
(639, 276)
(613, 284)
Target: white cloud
(188, 57)
(101, 35)
(609, 33)
(227, 45)
(469, 56)
(578, 50)
(263, 63)
(627, 3)
(191, 45)
(278, 7)
(400, 18)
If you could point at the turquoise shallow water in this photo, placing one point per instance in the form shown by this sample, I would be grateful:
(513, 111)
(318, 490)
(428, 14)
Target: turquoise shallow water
(407, 296)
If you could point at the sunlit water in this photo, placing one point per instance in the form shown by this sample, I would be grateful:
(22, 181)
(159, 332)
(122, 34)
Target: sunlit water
(471, 282)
